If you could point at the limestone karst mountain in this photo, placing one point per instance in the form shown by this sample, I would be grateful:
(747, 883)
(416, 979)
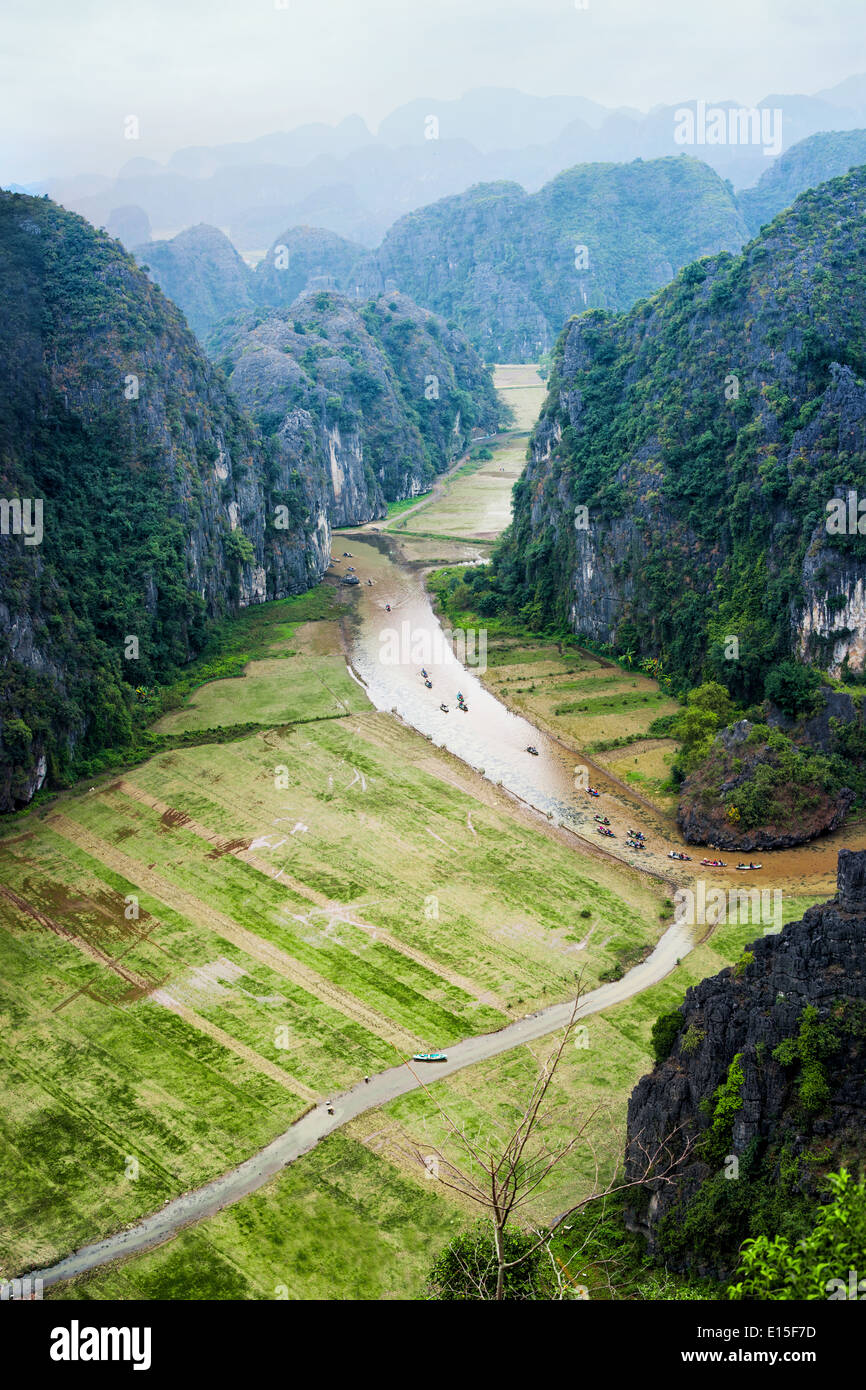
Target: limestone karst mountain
(154, 495)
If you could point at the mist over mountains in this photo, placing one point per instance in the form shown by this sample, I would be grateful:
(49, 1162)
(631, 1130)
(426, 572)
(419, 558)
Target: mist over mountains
(356, 183)
(506, 266)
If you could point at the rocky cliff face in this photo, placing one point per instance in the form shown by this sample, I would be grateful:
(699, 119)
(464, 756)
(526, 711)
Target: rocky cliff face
(157, 499)
(307, 259)
(200, 270)
(789, 1113)
(366, 403)
(506, 266)
(684, 462)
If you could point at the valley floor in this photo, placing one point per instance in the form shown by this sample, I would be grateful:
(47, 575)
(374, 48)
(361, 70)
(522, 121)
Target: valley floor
(198, 951)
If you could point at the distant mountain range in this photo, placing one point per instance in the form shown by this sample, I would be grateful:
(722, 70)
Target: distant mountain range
(506, 266)
(352, 182)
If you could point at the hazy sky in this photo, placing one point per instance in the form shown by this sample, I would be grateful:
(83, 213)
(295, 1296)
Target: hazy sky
(205, 71)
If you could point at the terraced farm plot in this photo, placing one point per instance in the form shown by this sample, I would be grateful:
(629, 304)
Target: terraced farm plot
(587, 701)
(475, 500)
(520, 386)
(340, 1223)
(646, 766)
(195, 951)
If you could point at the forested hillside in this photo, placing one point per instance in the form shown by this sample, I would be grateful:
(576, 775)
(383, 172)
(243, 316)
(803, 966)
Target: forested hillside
(758, 1095)
(704, 432)
(810, 162)
(505, 266)
(371, 399)
(675, 508)
(157, 498)
(509, 267)
(201, 271)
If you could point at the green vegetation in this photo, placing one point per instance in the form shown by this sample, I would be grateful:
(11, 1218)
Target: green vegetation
(359, 1191)
(383, 378)
(814, 160)
(762, 1197)
(466, 1268)
(311, 929)
(794, 688)
(713, 451)
(819, 1264)
(665, 1032)
(397, 508)
(630, 220)
(777, 782)
(591, 1256)
(724, 1107)
(121, 442)
(340, 1223)
(708, 708)
(816, 1041)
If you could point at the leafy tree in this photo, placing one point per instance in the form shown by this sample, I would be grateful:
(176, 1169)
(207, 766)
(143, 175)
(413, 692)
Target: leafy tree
(695, 728)
(816, 1041)
(664, 1034)
(817, 1267)
(793, 688)
(726, 1104)
(715, 698)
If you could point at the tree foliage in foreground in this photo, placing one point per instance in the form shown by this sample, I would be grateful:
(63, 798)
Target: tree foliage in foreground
(818, 1266)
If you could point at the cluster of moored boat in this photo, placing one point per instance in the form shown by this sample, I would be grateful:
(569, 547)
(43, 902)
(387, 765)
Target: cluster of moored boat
(635, 839)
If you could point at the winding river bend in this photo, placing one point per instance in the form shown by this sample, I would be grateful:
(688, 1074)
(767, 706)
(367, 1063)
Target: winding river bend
(394, 634)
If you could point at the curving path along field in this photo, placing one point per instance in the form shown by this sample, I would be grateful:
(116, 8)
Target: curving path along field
(308, 1131)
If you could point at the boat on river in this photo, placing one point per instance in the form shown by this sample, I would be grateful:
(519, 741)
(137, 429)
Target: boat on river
(429, 1057)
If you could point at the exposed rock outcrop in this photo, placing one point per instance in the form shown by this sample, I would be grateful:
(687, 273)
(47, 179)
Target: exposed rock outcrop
(510, 266)
(200, 270)
(704, 435)
(783, 1125)
(801, 810)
